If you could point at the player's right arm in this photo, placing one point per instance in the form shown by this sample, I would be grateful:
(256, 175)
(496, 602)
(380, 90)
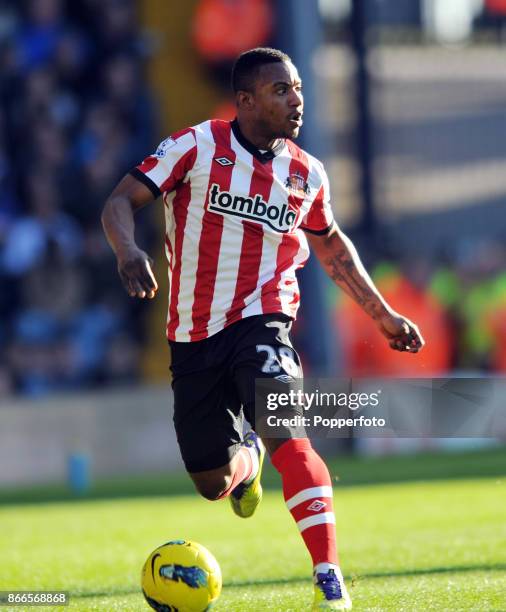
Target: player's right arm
(134, 265)
(159, 173)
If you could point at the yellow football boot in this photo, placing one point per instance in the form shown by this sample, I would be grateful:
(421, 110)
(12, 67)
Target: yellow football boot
(246, 497)
(330, 592)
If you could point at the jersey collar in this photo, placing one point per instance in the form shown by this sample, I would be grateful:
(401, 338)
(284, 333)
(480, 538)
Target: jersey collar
(250, 147)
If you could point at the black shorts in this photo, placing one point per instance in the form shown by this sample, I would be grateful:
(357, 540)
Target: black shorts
(214, 385)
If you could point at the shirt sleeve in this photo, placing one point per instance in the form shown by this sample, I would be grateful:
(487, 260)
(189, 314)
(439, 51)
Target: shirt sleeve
(320, 217)
(173, 159)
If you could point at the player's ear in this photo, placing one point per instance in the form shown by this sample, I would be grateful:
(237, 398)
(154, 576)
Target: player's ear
(244, 100)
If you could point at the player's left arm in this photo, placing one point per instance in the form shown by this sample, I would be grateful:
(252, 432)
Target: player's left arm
(341, 262)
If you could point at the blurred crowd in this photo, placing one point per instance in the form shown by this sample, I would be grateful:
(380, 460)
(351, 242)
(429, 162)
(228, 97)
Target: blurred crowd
(75, 114)
(459, 305)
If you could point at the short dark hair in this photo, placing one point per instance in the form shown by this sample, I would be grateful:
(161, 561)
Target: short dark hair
(247, 65)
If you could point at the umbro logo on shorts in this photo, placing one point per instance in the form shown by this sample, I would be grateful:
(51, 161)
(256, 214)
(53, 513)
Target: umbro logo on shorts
(255, 208)
(224, 161)
(285, 378)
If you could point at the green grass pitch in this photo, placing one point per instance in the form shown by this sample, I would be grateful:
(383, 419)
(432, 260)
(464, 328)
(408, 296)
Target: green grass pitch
(436, 545)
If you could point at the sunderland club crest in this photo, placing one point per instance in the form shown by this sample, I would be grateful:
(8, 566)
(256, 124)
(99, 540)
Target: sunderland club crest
(297, 184)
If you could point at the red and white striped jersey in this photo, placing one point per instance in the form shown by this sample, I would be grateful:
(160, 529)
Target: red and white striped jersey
(234, 221)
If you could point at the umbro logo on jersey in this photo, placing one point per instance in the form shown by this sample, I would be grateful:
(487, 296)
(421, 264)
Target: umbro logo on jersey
(224, 161)
(279, 218)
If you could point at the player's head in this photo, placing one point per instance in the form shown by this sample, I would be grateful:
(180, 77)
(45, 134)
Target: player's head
(268, 91)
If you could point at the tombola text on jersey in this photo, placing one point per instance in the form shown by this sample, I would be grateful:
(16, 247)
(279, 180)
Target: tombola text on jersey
(255, 207)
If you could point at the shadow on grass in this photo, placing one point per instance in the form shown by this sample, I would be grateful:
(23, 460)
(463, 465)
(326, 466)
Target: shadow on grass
(345, 470)
(429, 571)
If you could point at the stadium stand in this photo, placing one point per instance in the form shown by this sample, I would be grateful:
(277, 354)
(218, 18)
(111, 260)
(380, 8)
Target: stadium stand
(75, 114)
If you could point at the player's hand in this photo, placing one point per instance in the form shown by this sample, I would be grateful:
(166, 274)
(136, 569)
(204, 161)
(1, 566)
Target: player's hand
(401, 333)
(134, 267)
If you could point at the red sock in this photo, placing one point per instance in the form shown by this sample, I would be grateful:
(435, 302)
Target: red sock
(307, 490)
(243, 469)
